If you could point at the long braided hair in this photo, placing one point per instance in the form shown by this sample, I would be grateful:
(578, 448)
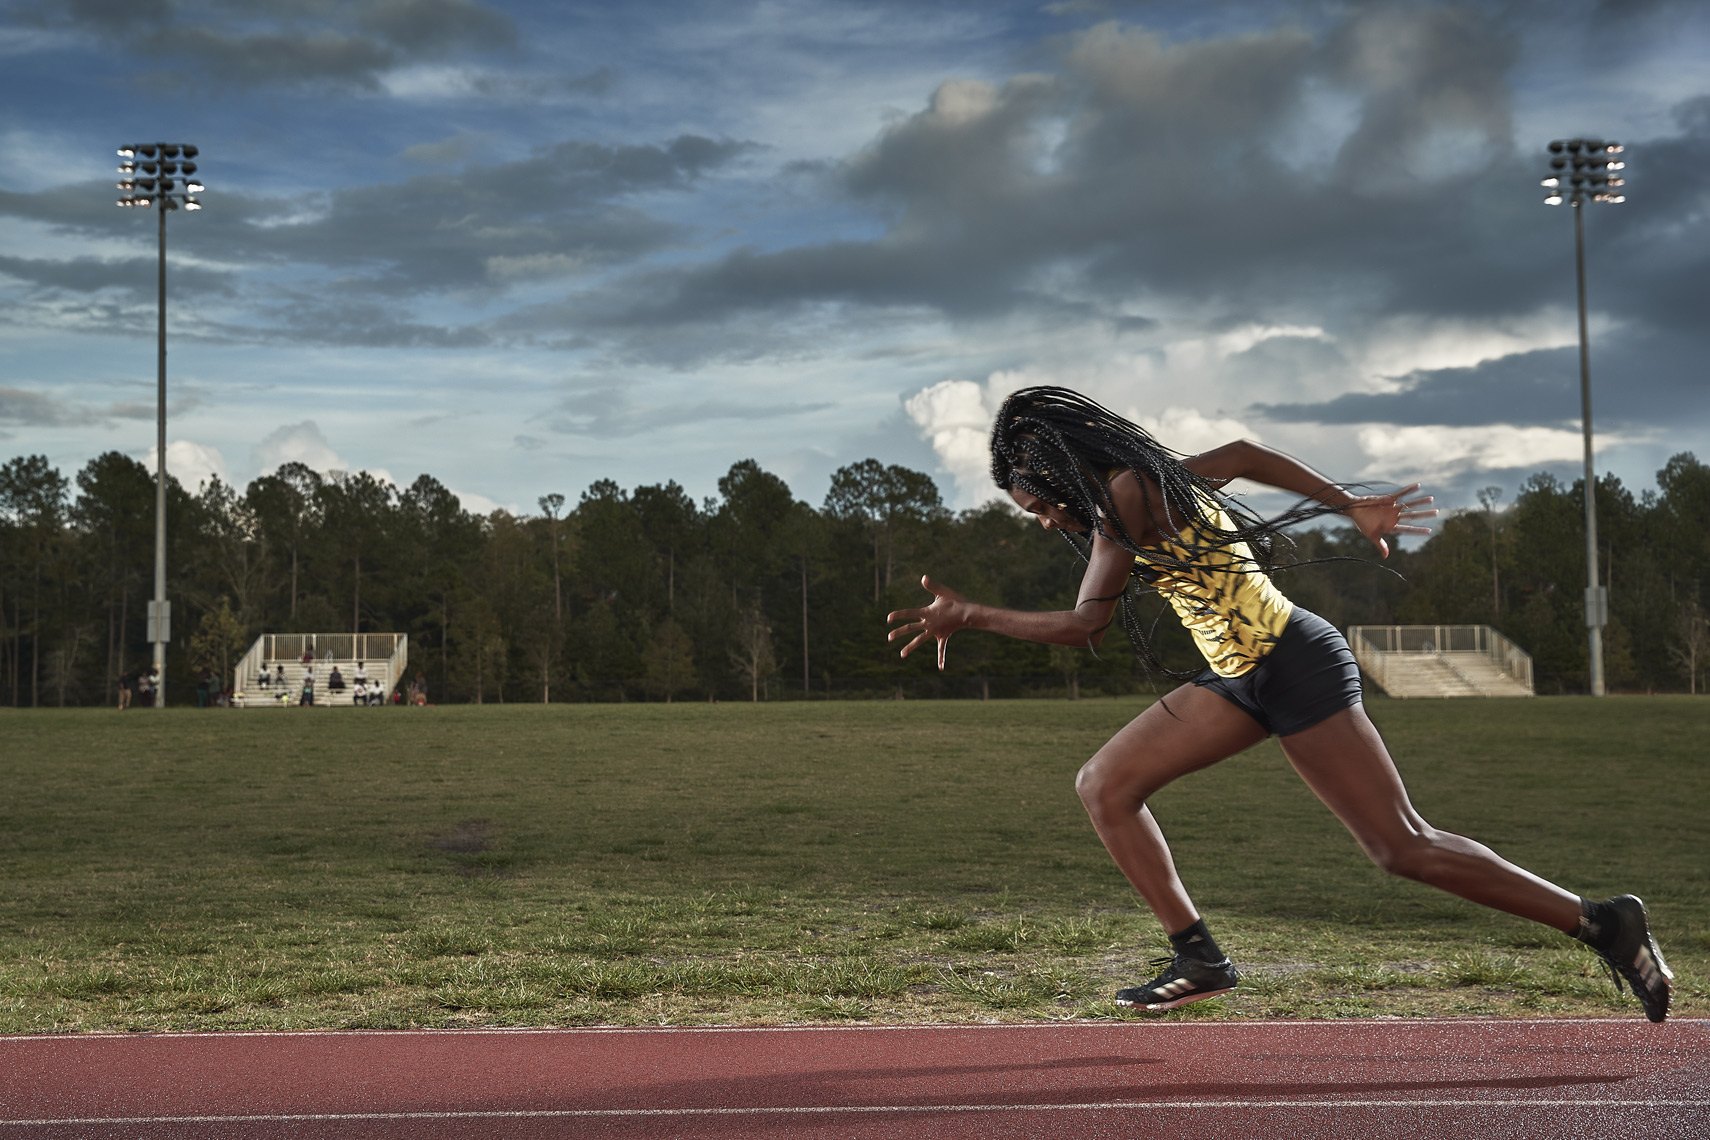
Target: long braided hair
(1062, 447)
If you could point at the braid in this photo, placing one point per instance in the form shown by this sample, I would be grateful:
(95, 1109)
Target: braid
(1063, 448)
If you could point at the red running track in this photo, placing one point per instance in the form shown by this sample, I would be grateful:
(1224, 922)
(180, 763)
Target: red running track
(1279, 1080)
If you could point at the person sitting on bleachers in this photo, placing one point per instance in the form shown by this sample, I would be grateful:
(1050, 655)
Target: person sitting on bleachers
(359, 693)
(335, 683)
(265, 680)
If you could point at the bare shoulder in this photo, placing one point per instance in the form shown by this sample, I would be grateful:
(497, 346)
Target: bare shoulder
(1136, 497)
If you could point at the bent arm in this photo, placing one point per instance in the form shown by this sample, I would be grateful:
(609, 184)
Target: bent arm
(1374, 515)
(1101, 588)
(1245, 459)
(1108, 568)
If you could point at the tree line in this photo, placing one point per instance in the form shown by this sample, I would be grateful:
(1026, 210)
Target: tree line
(754, 594)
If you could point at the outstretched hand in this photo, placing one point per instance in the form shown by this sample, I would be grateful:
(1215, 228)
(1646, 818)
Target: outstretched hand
(1380, 515)
(943, 616)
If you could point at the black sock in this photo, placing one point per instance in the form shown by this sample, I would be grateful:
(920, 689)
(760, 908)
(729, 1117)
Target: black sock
(1595, 926)
(1196, 942)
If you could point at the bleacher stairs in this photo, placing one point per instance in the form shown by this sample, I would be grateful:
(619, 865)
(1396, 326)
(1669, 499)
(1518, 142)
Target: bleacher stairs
(383, 656)
(1441, 661)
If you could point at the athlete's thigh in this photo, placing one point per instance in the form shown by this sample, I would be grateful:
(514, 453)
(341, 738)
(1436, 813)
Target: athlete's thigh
(1189, 729)
(1345, 763)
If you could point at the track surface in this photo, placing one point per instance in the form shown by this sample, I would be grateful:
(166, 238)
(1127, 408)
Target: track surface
(1278, 1080)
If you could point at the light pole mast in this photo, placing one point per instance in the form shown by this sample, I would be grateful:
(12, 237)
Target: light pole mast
(1585, 171)
(154, 182)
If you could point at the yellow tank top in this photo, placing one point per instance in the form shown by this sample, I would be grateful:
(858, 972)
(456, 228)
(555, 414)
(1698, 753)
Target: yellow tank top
(1233, 610)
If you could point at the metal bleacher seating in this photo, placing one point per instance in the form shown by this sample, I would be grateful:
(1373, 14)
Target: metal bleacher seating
(382, 656)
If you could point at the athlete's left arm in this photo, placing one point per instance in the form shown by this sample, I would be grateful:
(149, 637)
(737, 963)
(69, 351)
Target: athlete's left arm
(1375, 515)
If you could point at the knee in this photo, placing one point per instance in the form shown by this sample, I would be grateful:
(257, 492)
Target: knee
(1415, 856)
(1103, 795)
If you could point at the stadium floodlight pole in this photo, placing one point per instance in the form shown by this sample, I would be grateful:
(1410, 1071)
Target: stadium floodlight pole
(1583, 171)
(151, 173)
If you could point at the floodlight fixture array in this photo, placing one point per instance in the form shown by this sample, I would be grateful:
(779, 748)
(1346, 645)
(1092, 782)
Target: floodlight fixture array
(165, 176)
(1585, 170)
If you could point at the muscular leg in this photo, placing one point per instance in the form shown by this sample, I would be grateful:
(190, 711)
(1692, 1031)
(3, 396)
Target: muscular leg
(1149, 752)
(1344, 761)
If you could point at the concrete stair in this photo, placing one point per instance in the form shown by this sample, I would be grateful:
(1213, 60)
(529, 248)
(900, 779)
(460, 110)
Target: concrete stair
(254, 696)
(1452, 674)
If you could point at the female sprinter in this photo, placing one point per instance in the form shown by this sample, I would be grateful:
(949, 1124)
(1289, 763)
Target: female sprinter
(1272, 667)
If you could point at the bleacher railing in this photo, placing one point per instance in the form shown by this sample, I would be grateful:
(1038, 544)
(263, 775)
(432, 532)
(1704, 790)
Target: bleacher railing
(1373, 643)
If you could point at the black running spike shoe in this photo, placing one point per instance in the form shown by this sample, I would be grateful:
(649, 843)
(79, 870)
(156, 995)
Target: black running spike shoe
(1184, 979)
(1631, 954)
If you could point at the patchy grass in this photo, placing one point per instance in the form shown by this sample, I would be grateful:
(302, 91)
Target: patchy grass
(695, 864)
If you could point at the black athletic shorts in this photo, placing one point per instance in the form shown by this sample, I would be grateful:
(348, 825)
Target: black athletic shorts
(1307, 677)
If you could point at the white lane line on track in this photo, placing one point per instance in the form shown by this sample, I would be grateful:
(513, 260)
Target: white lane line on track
(837, 1109)
(1125, 1023)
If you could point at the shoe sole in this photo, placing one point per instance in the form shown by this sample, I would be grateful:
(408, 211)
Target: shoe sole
(1651, 968)
(1173, 1002)
(1649, 965)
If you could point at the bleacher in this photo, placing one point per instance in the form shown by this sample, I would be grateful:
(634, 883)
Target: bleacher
(383, 657)
(1441, 661)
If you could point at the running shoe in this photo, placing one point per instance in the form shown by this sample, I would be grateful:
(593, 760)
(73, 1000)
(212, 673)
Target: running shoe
(1184, 979)
(1631, 954)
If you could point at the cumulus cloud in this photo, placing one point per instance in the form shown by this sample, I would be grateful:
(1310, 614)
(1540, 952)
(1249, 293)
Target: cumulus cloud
(305, 443)
(298, 443)
(192, 464)
(955, 417)
(479, 504)
(1430, 451)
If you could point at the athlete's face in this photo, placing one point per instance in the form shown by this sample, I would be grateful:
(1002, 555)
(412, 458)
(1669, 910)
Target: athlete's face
(1051, 516)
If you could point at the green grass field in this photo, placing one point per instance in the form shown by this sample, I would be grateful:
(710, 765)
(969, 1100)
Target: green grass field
(693, 864)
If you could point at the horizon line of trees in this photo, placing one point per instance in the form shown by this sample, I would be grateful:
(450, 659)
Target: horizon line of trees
(754, 594)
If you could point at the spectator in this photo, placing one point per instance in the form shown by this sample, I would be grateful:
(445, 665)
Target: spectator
(145, 689)
(204, 687)
(335, 683)
(358, 693)
(308, 696)
(308, 655)
(361, 674)
(265, 679)
(124, 691)
(418, 690)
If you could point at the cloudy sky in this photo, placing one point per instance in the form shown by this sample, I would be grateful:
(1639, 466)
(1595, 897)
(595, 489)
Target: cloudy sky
(522, 245)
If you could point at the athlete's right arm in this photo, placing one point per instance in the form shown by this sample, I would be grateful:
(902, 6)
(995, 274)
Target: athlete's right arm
(1108, 568)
